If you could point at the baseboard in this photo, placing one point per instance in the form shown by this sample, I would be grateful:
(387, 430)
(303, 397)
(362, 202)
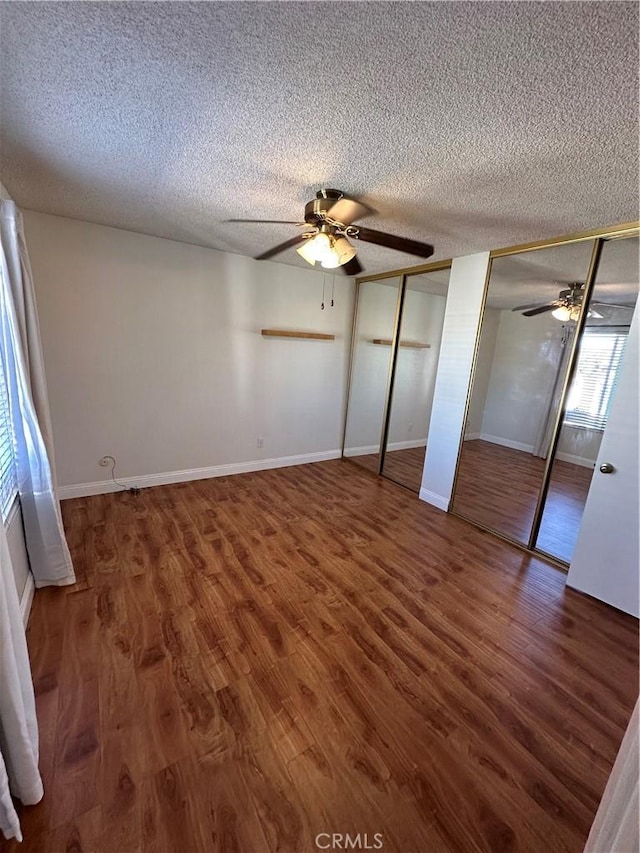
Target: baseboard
(366, 449)
(103, 487)
(472, 436)
(26, 599)
(577, 460)
(407, 445)
(528, 448)
(434, 499)
(507, 442)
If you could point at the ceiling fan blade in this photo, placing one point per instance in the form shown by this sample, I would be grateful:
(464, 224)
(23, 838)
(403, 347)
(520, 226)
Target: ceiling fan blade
(352, 267)
(281, 247)
(390, 241)
(613, 305)
(347, 210)
(527, 307)
(540, 310)
(266, 221)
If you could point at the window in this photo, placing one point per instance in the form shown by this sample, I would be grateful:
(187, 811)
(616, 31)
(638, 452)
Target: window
(599, 359)
(8, 478)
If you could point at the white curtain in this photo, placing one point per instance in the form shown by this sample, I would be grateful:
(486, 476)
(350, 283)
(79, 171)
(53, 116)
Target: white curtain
(22, 360)
(19, 774)
(616, 825)
(560, 358)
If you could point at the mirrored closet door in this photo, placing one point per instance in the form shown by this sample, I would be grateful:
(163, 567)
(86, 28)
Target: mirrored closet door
(521, 365)
(551, 345)
(414, 377)
(600, 355)
(396, 344)
(374, 330)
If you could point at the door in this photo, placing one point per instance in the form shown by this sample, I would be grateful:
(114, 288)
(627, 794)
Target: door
(414, 377)
(377, 306)
(607, 553)
(520, 368)
(594, 387)
(606, 558)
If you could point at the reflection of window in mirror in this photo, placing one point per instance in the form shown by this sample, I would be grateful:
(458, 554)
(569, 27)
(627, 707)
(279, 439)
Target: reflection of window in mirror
(600, 355)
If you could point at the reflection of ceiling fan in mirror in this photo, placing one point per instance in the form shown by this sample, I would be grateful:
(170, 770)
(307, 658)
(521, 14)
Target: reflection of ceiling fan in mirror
(567, 306)
(328, 227)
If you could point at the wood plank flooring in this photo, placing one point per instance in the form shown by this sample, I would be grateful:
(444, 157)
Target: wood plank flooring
(498, 487)
(248, 662)
(401, 466)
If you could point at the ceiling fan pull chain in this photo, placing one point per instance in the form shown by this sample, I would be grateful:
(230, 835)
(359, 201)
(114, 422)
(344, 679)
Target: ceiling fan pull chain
(322, 303)
(333, 287)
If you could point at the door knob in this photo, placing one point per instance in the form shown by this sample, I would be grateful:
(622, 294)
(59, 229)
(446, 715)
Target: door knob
(607, 468)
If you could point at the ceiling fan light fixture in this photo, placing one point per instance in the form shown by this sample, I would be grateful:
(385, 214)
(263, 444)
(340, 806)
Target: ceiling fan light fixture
(331, 260)
(574, 313)
(346, 252)
(307, 252)
(340, 252)
(562, 313)
(317, 249)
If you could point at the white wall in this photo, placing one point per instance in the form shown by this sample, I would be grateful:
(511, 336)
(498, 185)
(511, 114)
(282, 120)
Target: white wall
(377, 307)
(459, 336)
(579, 445)
(416, 369)
(482, 376)
(522, 374)
(153, 354)
(607, 554)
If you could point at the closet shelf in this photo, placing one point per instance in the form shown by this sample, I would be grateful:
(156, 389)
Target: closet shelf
(287, 333)
(386, 342)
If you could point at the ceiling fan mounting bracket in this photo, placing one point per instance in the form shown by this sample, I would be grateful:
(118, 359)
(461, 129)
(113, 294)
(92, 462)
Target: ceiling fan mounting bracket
(316, 210)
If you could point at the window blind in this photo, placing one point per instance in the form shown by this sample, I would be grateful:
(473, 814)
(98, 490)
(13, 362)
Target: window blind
(599, 359)
(8, 479)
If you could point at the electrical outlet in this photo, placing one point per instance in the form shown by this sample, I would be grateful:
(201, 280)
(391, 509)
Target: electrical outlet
(260, 441)
(106, 461)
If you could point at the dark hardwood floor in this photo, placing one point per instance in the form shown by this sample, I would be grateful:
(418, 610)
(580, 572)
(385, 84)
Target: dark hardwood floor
(401, 466)
(498, 487)
(248, 662)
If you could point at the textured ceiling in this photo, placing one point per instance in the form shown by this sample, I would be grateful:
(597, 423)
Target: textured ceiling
(538, 276)
(469, 125)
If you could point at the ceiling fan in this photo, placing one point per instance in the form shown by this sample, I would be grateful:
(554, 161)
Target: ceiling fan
(567, 305)
(328, 227)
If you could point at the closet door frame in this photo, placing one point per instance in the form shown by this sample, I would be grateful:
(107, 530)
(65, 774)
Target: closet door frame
(403, 275)
(598, 238)
(596, 254)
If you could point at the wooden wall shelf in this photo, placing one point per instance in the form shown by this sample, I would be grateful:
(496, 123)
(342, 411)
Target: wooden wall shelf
(386, 342)
(286, 333)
